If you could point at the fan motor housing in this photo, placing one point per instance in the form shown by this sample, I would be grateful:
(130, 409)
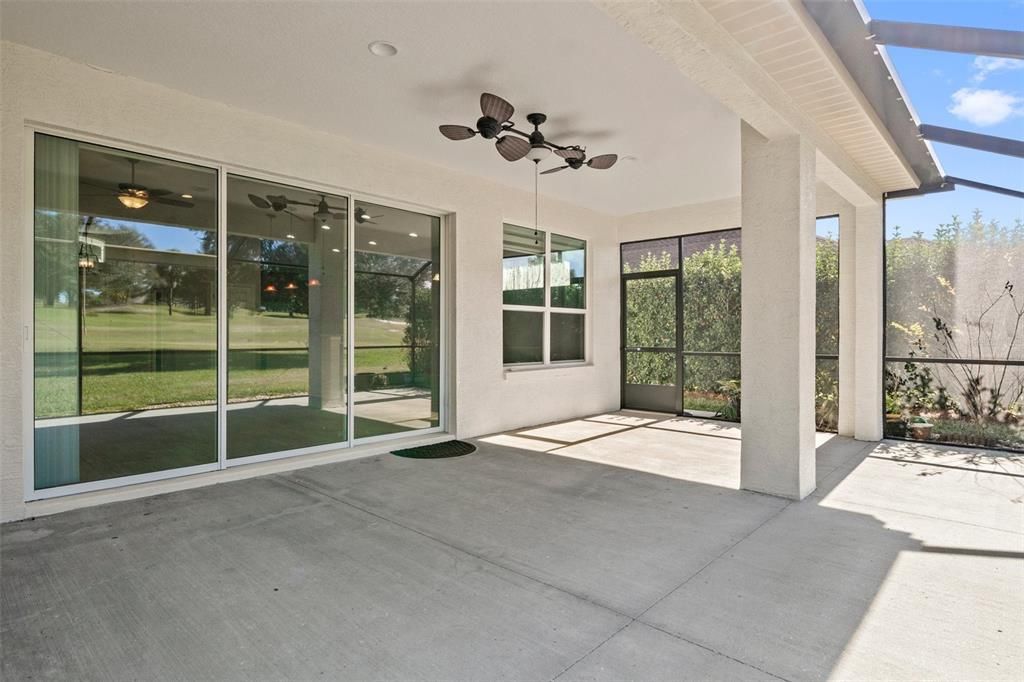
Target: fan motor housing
(488, 127)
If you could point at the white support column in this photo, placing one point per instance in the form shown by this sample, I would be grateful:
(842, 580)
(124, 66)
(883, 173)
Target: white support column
(847, 318)
(777, 353)
(869, 272)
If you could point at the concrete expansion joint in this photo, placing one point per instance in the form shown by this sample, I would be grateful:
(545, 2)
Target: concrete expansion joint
(297, 484)
(462, 550)
(640, 618)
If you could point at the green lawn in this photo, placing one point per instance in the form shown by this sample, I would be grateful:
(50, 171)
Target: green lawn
(144, 327)
(121, 371)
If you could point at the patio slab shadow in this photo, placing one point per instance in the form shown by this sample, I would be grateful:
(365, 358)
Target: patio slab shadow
(981, 498)
(789, 598)
(515, 564)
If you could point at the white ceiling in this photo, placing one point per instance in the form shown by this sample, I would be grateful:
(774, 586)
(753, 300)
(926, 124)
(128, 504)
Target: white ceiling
(308, 62)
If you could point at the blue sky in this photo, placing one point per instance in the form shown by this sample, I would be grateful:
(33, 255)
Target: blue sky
(982, 95)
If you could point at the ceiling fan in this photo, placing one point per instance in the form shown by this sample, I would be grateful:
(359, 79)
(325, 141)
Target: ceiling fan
(135, 196)
(496, 119)
(362, 217)
(279, 202)
(514, 144)
(576, 158)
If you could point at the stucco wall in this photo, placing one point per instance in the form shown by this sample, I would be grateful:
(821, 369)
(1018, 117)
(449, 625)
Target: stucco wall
(712, 215)
(38, 87)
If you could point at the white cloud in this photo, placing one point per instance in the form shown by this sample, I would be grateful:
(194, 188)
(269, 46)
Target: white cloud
(986, 66)
(985, 107)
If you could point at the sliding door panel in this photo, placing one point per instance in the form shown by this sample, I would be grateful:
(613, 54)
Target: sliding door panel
(287, 359)
(397, 320)
(125, 313)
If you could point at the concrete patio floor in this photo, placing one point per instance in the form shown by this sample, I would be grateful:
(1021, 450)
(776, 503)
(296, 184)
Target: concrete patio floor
(540, 556)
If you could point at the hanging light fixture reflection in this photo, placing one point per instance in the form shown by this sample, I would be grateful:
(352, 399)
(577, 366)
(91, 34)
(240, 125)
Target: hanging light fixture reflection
(132, 195)
(314, 282)
(291, 286)
(270, 288)
(134, 198)
(86, 261)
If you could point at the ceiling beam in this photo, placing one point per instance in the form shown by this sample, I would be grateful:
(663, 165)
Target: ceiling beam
(982, 41)
(985, 186)
(963, 138)
(948, 184)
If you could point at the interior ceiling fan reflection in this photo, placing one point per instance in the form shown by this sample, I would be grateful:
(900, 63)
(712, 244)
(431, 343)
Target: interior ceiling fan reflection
(364, 218)
(279, 202)
(133, 195)
(513, 144)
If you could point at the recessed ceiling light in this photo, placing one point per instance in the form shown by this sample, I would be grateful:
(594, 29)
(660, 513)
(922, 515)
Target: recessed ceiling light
(186, 196)
(336, 250)
(372, 243)
(290, 236)
(382, 48)
(413, 234)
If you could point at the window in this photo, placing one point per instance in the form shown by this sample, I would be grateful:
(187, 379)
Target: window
(545, 297)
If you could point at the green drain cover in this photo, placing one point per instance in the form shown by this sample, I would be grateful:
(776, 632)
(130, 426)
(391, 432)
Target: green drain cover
(451, 448)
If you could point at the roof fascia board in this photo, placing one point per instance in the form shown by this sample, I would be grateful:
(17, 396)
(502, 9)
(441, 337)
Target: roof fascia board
(844, 25)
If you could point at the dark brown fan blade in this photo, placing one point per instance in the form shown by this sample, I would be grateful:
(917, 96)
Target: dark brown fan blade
(512, 148)
(259, 202)
(172, 202)
(109, 186)
(280, 202)
(604, 161)
(496, 107)
(570, 153)
(457, 132)
(158, 192)
(553, 170)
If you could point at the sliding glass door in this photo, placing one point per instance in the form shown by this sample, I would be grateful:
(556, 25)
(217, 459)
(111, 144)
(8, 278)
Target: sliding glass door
(397, 307)
(187, 319)
(125, 309)
(287, 294)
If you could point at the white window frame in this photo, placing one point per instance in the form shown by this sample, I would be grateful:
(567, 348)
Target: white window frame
(547, 309)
